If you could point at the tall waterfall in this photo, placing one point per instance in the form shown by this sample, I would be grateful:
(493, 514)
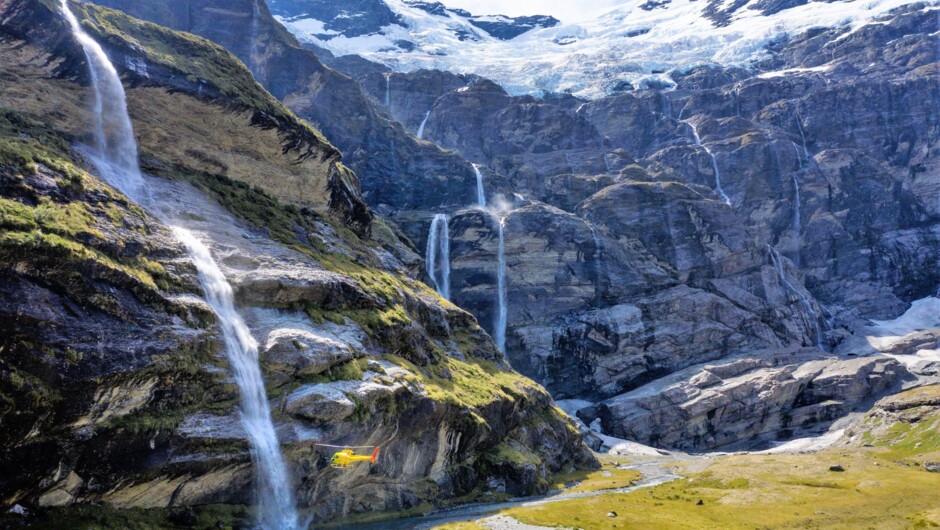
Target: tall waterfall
(253, 59)
(274, 484)
(437, 255)
(797, 224)
(116, 159)
(598, 258)
(388, 91)
(502, 310)
(698, 142)
(807, 304)
(481, 194)
(115, 154)
(423, 123)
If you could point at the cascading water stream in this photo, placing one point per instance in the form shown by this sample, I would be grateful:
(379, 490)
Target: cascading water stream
(481, 194)
(253, 59)
(388, 91)
(807, 305)
(598, 266)
(502, 295)
(116, 159)
(799, 126)
(698, 142)
(682, 110)
(437, 255)
(423, 123)
(276, 503)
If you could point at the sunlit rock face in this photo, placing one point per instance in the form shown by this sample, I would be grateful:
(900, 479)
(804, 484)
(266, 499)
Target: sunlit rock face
(623, 263)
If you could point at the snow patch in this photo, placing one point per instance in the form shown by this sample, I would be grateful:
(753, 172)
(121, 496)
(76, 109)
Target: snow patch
(624, 43)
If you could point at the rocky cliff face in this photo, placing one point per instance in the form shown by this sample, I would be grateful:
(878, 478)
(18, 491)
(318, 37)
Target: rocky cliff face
(623, 262)
(624, 251)
(112, 384)
(395, 169)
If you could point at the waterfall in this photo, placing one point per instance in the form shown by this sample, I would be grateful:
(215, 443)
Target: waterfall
(799, 126)
(598, 266)
(115, 154)
(255, 33)
(277, 504)
(502, 310)
(797, 228)
(799, 158)
(421, 127)
(481, 195)
(388, 91)
(439, 247)
(797, 224)
(116, 158)
(682, 110)
(698, 142)
(807, 304)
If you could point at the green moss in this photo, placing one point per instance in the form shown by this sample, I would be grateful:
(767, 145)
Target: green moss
(36, 228)
(16, 216)
(472, 384)
(513, 454)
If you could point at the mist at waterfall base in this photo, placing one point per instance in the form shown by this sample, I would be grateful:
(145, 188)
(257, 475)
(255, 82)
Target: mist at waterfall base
(114, 154)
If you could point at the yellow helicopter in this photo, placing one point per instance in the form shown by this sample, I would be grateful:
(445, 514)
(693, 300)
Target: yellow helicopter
(347, 457)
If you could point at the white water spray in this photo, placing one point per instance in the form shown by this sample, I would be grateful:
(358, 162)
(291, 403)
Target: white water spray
(423, 123)
(807, 305)
(115, 154)
(437, 255)
(276, 503)
(388, 91)
(502, 295)
(481, 195)
(116, 159)
(698, 142)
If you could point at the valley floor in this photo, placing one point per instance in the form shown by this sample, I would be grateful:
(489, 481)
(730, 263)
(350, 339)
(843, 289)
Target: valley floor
(882, 472)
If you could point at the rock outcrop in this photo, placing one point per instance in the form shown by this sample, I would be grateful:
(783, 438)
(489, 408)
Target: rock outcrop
(747, 401)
